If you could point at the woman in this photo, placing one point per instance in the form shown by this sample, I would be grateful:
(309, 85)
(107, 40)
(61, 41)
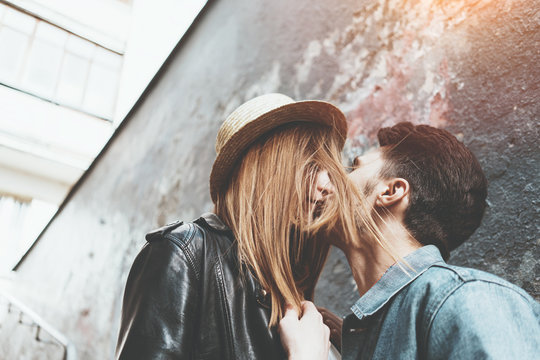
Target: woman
(216, 287)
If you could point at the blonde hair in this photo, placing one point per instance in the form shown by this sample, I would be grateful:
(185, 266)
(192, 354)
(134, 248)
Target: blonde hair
(267, 205)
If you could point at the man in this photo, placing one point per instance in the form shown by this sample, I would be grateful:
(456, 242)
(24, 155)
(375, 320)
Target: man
(428, 192)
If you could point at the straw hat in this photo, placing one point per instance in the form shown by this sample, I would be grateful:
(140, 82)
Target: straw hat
(259, 116)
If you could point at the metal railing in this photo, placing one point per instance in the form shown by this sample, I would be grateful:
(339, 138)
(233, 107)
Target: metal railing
(41, 326)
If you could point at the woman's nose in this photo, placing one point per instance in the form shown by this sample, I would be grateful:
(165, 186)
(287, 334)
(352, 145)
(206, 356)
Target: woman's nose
(323, 186)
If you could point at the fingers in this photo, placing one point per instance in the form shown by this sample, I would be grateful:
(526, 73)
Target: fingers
(330, 318)
(306, 337)
(326, 330)
(290, 312)
(308, 306)
(311, 314)
(289, 322)
(334, 322)
(309, 309)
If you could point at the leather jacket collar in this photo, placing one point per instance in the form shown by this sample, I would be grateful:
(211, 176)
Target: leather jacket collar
(214, 222)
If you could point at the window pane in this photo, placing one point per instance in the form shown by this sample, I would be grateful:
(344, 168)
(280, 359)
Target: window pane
(80, 47)
(108, 58)
(19, 21)
(2, 11)
(72, 80)
(13, 45)
(101, 91)
(51, 34)
(42, 69)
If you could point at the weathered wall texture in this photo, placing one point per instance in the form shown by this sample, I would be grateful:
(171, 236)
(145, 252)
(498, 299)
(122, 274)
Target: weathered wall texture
(468, 66)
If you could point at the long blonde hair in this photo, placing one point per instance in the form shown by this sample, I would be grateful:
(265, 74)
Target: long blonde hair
(267, 205)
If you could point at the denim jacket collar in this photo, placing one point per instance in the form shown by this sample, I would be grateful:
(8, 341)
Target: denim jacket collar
(395, 279)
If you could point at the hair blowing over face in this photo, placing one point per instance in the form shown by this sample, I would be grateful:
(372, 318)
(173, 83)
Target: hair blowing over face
(266, 204)
(448, 186)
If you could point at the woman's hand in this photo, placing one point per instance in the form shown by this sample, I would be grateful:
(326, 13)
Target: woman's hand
(307, 337)
(335, 323)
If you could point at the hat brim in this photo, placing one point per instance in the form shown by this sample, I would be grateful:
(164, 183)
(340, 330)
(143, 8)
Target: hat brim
(302, 111)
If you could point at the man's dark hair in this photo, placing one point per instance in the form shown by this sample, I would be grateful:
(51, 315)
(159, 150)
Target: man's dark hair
(448, 188)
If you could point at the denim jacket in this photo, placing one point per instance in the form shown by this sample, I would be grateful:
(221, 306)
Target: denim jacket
(441, 311)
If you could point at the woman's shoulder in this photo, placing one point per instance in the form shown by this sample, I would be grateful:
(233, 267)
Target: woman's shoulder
(194, 237)
(182, 231)
(199, 243)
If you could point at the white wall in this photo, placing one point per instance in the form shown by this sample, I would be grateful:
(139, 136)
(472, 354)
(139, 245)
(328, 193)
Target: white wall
(156, 28)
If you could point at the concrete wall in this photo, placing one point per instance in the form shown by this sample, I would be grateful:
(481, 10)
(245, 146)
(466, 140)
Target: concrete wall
(470, 67)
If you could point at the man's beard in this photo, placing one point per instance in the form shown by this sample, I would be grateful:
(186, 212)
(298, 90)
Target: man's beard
(368, 188)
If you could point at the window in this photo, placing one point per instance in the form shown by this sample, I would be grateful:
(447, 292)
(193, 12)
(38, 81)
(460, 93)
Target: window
(21, 221)
(53, 64)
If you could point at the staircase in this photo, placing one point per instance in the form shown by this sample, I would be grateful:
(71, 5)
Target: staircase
(24, 335)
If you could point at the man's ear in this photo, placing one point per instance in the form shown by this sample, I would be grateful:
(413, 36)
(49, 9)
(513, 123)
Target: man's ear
(394, 192)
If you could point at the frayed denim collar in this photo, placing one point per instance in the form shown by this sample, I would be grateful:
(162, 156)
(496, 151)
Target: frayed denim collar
(395, 279)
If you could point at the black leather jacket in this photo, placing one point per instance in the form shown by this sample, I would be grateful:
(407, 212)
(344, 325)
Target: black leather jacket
(185, 299)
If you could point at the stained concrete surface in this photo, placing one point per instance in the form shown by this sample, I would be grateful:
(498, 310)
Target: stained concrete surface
(468, 66)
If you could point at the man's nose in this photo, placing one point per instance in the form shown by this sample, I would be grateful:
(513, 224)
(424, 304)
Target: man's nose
(323, 186)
